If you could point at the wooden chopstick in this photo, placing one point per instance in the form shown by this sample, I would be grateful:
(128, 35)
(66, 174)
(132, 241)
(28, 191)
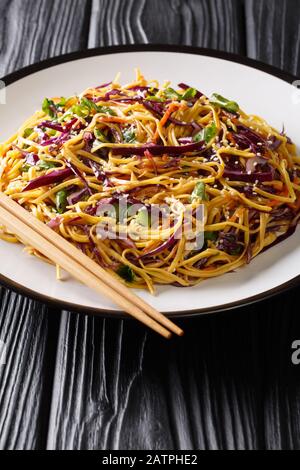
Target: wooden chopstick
(34, 239)
(80, 258)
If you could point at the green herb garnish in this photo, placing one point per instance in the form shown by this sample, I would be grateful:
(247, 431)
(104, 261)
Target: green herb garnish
(62, 103)
(25, 168)
(155, 98)
(43, 165)
(100, 136)
(129, 136)
(210, 236)
(199, 192)
(237, 251)
(143, 218)
(189, 94)
(207, 134)
(219, 100)
(61, 201)
(126, 273)
(49, 108)
(28, 132)
(171, 94)
(87, 106)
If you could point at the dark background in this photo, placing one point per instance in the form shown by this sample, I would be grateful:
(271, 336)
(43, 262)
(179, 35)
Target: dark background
(76, 382)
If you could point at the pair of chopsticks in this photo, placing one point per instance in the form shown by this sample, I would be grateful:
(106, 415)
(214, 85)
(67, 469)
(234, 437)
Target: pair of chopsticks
(38, 235)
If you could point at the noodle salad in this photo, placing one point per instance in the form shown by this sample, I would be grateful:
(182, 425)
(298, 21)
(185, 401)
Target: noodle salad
(82, 163)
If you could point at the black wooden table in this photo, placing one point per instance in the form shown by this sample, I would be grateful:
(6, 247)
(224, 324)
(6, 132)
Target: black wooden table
(76, 382)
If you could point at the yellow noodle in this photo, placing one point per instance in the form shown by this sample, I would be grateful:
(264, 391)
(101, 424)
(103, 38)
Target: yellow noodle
(242, 214)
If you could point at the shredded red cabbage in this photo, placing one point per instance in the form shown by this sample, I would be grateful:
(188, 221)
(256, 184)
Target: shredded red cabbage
(168, 244)
(140, 88)
(76, 196)
(186, 140)
(78, 173)
(30, 158)
(89, 139)
(58, 127)
(105, 85)
(282, 213)
(247, 138)
(156, 108)
(274, 143)
(229, 243)
(56, 141)
(253, 164)
(100, 174)
(54, 177)
(55, 222)
(235, 175)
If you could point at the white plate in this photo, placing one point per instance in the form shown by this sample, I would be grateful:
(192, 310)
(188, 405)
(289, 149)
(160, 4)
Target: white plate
(257, 92)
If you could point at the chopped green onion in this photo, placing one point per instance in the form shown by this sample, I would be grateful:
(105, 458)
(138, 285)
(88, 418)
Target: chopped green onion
(106, 110)
(171, 94)
(28, 132)
(100, 136)
(237, 251)
(155, 98)
(219, 100)
(61, 201)
(49, 107)
(143, 218)
(199, 192)
(62, 103)
(87, 106)
(129, 136)
(126, 273)
(43, 165)
(210, 236)
(206, 134)
(189, 94)
(25, 168)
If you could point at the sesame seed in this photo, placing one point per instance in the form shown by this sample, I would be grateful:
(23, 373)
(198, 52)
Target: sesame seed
(259, 143)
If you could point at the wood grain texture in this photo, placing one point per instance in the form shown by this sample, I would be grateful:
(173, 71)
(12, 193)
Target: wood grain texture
(32, 30)
(29, 331)
(216, 24)
(273, 33)
(229, 384)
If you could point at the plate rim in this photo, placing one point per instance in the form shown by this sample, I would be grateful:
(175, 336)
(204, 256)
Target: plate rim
(109, 50)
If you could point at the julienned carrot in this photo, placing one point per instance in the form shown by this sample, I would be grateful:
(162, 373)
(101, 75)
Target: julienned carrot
(152, 161)
(112, 119)
(171, 109)
(275, 203)
(237, 214)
